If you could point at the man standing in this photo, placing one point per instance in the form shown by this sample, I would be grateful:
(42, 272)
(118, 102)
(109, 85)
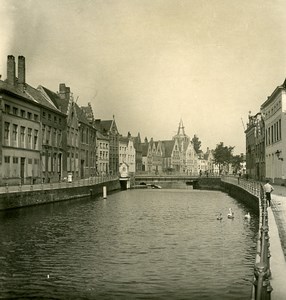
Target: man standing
(268, 189)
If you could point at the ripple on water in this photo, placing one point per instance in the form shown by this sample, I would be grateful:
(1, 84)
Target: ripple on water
(141, 244)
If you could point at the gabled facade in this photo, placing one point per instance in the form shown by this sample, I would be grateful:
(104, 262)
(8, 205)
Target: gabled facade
(109, 128)
(127, 152)
(191, 160)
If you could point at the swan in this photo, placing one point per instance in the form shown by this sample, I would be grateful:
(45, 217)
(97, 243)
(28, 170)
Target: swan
(247, 216)
(219, 217)
(230, 215)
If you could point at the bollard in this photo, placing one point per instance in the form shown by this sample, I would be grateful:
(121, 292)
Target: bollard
(90, 192)
(20, 187)
(104, 192)
(6, 188)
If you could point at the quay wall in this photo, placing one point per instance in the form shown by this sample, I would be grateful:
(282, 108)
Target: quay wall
(28, 198)
(241, 195)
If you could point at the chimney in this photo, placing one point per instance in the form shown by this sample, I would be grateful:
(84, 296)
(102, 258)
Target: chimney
(11, 78)
(64, 91)
(68, 93)
(21, 71)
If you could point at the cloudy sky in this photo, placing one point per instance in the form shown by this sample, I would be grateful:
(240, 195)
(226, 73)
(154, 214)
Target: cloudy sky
(152, 62)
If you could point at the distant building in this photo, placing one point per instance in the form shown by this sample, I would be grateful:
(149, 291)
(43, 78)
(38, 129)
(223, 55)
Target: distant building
(109, 128)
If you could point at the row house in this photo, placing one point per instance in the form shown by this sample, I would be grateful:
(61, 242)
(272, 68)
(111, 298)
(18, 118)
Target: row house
(127, 152)
(273, 112)
(20, 128)
(79, 137)
(102, 157)
(192, 165)
(265, 142)
(45, 135)
(109, 129)
(255, 147)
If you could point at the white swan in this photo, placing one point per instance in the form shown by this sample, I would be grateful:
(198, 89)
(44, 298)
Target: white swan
(230, 215)
(247, 216)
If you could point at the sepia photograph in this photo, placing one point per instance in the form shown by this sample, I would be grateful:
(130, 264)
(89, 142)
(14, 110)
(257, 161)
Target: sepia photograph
(142, 147)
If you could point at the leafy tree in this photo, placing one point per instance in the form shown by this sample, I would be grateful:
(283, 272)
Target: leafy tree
(197, 143)
(223, 155)
(236, 162)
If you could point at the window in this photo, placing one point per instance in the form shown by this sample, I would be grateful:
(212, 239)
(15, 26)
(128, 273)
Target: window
(44, 114)
(22, 134)
(7, 159)
(35, 139)
(36, 117)
(48, 135)
(15, 111)
(15, 132)
(29, 137)
(6, 130)
(7, 108)
(15, 160)
(49, 117)
(29, 115)
(30, 161)
(55, 119)
(23, 113)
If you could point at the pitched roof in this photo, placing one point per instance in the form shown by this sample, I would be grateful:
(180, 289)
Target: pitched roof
(61, 104)
(168, 147)
(39, 97)
(106, 124)
(144, 149)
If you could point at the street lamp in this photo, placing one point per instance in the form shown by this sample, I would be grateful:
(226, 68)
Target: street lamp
(278, 153)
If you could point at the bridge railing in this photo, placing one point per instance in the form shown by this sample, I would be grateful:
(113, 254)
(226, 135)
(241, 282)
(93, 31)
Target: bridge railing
(56, 185)
(261, 288)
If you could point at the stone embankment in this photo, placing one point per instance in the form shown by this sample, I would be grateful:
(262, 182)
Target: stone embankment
(21, 196)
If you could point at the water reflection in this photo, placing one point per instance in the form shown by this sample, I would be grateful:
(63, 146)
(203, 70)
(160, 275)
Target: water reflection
(139, 244)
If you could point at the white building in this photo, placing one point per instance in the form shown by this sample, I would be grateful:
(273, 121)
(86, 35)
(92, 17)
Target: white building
(127, 153)
(273, 112)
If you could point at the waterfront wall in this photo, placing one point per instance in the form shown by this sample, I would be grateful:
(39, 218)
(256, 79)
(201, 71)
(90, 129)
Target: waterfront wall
(36, 197)
(239, 193)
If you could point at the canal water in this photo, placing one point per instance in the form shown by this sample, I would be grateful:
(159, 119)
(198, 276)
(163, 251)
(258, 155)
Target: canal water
(136, 244)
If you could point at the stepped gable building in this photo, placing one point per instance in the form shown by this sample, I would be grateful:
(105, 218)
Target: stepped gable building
(79, 138)
(127, 152)
(109, 128)
(192, 160)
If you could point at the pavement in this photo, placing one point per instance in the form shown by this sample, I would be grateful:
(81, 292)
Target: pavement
(277, 234)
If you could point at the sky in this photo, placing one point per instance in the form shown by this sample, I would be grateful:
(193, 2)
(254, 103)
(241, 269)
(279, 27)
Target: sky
(151, 63)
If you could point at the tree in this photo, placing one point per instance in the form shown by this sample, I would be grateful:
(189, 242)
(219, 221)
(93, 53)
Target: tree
(196, 143)
(236, 162)
(223, 155)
